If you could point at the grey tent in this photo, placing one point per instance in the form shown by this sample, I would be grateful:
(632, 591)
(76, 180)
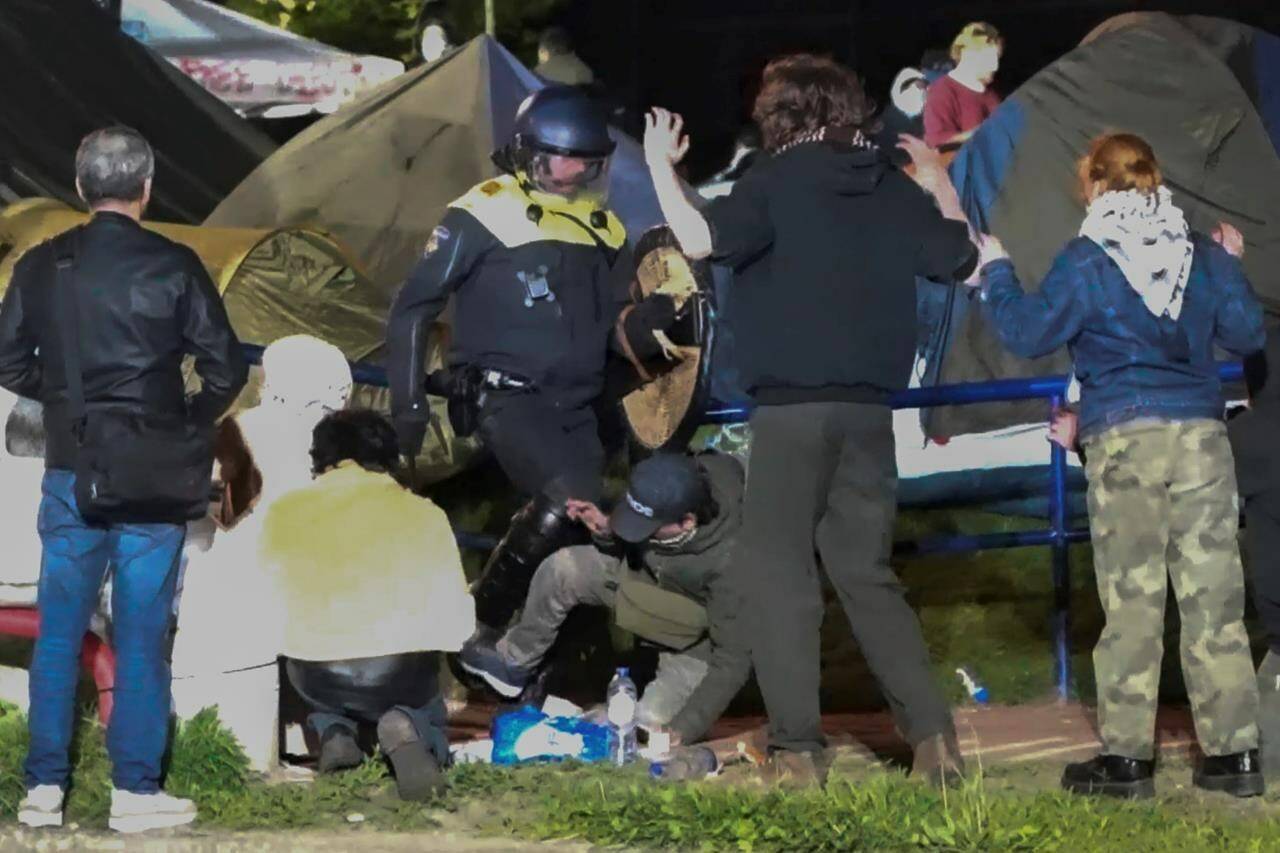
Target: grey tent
(379, 173)
(1205, 92)
(68, 71)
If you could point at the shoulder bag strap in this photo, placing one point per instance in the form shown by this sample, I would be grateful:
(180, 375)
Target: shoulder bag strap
(66, 249)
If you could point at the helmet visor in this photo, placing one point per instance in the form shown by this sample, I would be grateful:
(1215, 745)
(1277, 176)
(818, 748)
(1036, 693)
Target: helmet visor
(574, 178)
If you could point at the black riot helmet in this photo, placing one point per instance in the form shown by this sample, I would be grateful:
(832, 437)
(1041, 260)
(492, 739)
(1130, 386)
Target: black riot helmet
(560, 143)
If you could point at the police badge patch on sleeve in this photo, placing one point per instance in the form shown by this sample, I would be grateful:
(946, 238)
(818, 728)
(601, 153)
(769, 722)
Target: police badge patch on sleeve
(438, 236)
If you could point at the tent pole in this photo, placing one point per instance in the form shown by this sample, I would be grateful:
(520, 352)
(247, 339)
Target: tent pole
(490, 19)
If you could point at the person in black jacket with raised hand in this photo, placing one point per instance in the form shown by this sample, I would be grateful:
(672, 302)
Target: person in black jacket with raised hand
(141, 303)
(826, 240)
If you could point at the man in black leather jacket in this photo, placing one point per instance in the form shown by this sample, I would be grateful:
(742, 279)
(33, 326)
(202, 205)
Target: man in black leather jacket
(142, 304)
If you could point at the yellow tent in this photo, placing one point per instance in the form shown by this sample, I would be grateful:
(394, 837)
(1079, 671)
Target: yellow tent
(275, 282)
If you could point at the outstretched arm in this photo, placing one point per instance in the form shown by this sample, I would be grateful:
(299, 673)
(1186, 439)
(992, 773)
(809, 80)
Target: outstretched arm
(664, 146)
(1032, 324)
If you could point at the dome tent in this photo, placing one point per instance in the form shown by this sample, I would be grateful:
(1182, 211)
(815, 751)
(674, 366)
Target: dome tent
(380, 172)
(275, 282)
(1205, 92)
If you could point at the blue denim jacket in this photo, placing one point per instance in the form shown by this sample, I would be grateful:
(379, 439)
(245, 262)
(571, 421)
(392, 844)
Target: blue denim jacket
(1116, 343)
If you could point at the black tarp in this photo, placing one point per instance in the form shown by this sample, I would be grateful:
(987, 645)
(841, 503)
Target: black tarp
(67, 71)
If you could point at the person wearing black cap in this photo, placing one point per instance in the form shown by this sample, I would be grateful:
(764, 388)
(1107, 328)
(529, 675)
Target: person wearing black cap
(662, 564)
(540, 275)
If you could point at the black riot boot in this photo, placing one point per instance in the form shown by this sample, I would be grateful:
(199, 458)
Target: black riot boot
(537, 531)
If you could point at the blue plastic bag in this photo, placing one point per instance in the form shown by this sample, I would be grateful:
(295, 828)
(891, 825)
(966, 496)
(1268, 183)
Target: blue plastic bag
(528, 734)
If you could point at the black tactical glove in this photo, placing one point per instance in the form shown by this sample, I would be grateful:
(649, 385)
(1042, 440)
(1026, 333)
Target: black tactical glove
(655, 313)
(411, 430)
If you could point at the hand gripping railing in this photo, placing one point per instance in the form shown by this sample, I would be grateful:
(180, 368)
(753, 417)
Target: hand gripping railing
(1057, 535)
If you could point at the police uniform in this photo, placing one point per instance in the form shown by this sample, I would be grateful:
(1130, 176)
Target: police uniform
(540, 273)
(538, 290)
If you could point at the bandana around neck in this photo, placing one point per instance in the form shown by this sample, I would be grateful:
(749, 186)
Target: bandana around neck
(1146, 235)
(851, 136)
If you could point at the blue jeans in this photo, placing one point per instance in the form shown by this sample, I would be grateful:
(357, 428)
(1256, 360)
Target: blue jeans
(144, 561)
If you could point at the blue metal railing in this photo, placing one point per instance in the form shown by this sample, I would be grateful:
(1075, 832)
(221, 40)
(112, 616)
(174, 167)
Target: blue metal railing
(1058, 536)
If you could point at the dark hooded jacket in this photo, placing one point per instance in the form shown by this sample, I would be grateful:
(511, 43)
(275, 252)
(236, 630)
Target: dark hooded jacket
(702, 570)
(827, 240)
(1255, 443)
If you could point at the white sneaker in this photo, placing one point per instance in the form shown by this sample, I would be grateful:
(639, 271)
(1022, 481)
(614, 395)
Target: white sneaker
(42, 806)
(132, 812)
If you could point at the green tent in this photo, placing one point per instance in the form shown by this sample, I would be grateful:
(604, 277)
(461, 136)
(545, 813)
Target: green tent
(379, 173)
(1205, 92)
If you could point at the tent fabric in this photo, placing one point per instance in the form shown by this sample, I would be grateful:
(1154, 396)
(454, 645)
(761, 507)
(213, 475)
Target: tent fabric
(380, 172)
(275, 283)
(1193, 88)
(68, 71)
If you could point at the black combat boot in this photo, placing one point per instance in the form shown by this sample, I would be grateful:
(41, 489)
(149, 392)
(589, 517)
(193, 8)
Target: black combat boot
(1112, 776)
(537, 531)
(1238, 774)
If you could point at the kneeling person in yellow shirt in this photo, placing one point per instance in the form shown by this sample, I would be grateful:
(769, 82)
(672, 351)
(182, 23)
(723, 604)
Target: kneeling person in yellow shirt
(376, 591)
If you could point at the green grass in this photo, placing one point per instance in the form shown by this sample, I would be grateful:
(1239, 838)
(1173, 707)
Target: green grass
(868, 810)
(988, 611)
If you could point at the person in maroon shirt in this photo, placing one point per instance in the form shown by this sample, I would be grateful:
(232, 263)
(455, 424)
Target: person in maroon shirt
(962, 99)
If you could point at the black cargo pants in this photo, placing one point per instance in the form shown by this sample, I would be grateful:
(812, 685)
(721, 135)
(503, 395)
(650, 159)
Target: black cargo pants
(823, 477)
(544, 446)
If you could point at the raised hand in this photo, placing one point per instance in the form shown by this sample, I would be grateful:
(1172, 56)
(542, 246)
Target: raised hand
(664, 139)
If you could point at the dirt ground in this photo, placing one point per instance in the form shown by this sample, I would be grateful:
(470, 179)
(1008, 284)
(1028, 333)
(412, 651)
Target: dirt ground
(198, 841)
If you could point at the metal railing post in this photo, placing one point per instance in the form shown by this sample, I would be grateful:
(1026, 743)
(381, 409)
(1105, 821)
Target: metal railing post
(1058, 536)
(1061, 562)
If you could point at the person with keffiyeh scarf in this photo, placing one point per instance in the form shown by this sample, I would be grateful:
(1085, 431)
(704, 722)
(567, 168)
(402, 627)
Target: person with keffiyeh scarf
(1141, 301)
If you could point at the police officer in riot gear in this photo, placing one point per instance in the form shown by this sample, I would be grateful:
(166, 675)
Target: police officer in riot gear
(541, 276)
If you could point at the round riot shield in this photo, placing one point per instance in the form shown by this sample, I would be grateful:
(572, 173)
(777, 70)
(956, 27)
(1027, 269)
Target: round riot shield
(664, 412)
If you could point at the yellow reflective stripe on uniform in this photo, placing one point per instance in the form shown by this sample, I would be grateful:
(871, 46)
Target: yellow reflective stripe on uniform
(503, 209)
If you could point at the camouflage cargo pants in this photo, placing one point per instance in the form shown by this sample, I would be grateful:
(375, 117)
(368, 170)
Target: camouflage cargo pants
(1163, 505)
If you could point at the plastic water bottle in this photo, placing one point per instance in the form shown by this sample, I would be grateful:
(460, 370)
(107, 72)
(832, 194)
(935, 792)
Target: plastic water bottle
(695, 762)
(977, 691)
(620, 703)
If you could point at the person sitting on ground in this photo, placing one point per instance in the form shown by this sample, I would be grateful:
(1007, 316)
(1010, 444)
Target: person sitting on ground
(1141, 301)
(557, 62)
(374, 588)
(959, 101)
(662, 564)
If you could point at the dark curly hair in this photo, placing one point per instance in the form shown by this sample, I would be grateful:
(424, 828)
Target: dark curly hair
(360, 435)
(803, 92)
